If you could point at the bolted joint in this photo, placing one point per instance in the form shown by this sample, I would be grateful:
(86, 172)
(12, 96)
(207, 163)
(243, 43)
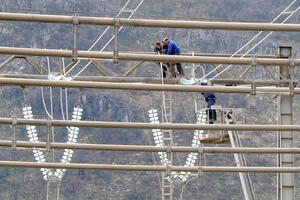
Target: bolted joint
(14, 122)
(253, 88)
(75, 23)
(200, 171)
(200, 150)
(116, 24)
(292, 62)
(74, 54)
(253, 61)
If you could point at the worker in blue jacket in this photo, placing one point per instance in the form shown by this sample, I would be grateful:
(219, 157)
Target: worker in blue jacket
(210, 98)
(173, 49)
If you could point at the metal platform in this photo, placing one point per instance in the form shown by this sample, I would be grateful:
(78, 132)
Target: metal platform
(215, 137)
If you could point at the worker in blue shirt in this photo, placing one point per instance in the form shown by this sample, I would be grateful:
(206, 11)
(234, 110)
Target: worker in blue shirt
(173, 49)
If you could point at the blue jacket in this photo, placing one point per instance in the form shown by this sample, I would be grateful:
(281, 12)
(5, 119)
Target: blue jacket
(173, 49)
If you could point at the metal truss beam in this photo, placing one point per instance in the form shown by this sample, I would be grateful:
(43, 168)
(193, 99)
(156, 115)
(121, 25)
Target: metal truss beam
(149, 22)
(149, 57)
(144, 148)
(140, 125)
(144, 87)
(227, 82)
(98, 78)
(150, 168)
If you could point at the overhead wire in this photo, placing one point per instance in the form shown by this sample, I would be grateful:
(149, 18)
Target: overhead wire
(61, 94)
(251, 40)
(130, 16)
(256, 44)
(43, 101)
(100, 37)
(104, 32)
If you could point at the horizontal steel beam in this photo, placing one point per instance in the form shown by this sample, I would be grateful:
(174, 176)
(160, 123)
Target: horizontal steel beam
(141, 125)
(149, 22)
(152, 80)
(215, 54)
(250, 82)
(144, 148)
(98, 78)
(149, 57)
(141, 86)
(151, 168)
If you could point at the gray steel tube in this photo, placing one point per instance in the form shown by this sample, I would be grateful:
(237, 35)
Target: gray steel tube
(98, 78)
(143, 148)
(140, 125)
(151, 168)
(141, 86)
(150, 23)
(152, 80)
(147, 57)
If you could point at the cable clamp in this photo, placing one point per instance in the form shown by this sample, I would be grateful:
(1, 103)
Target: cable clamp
(116, 30)
(14, 127)
(253, 88)
(253, 61)
(292, 62)
(200, 150)
(200, 171)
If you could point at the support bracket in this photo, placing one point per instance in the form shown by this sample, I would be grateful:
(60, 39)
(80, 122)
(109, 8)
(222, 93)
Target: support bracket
(254, 61)
(200, 156)
(48, 144)
(75, 30)
(291, 88)
(292, 64)
(116, 30)
(14, 128)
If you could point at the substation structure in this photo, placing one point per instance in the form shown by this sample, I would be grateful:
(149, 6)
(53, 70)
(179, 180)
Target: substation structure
(284, 86)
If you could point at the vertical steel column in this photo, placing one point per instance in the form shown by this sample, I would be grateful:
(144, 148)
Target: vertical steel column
(285, 183)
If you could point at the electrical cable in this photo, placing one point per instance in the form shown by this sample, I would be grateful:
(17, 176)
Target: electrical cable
(106, 43)
(259, 33)
(255, 45)
(100, 37)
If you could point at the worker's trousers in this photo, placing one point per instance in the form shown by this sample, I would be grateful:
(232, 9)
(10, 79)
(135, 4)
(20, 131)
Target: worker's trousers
(211, 113)
(179, 68)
